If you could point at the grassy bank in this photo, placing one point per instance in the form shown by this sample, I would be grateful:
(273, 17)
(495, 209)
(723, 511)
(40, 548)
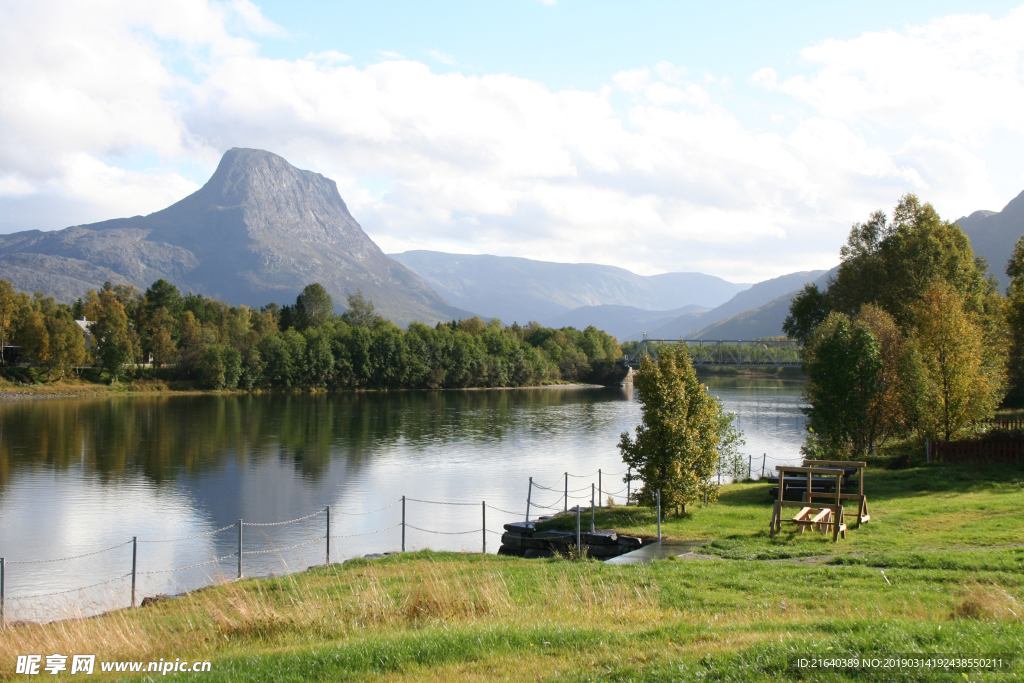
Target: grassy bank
(938, 570)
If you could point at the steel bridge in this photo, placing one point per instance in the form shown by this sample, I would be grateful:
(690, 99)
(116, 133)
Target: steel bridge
(781, 353)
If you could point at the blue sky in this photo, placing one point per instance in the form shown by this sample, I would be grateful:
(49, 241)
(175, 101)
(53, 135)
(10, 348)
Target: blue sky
(739, 139)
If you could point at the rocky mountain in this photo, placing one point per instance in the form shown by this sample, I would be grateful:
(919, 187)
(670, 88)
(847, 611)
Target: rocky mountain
(993, 234)
(258, 231)
(751, 314)
(519, 289)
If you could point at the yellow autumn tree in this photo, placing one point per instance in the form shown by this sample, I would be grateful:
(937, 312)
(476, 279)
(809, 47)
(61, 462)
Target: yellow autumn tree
(963, 375)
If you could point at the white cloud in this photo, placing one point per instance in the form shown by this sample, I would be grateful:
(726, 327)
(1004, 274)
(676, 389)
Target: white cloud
(500, 164)
(960, 76)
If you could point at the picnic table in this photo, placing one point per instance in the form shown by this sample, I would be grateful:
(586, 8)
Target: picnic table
(850, 466)
(811, 515)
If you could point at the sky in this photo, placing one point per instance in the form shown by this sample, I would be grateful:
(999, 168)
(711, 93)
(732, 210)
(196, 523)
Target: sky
(738, 139)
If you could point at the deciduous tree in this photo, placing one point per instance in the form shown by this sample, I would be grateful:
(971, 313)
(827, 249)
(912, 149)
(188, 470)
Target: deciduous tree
(676, 448)
(313, 307)
(962, 380)
(843, 365)
(114, 344)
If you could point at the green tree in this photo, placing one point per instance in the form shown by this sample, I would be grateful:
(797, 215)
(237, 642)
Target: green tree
(892, 264)
(843, 364)
(962, 380)
(114, 346)
(313, 307)
(219, 367)
(676, 449)
(162, 294)
(807, 310)
(360, 311)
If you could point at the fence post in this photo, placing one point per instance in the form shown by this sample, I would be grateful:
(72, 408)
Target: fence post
(565, 506)
(403, 524)
(629, 480)
(239, 548)
(658, 499)
(3, 618)
(483, 517)
(764, 459)
(528, 494)
(135, 554)
(600, 489)
(579, 536)
(927, 451)
(750, 463)
(328, 537)
(591, 507)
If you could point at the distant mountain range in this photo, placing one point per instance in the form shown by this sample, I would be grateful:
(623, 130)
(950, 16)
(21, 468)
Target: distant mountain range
(521, 290)
(993, 234)
(258, 231)
(751, 314)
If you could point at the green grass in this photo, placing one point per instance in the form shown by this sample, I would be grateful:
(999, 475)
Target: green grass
(937, 571)
(931, 508)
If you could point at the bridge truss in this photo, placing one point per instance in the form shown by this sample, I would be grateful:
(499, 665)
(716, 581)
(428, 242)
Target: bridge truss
(779, 353)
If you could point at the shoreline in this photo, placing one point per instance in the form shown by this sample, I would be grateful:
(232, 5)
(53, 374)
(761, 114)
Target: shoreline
(65, 391)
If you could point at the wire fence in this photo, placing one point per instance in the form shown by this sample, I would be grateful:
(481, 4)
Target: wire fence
(595, 493)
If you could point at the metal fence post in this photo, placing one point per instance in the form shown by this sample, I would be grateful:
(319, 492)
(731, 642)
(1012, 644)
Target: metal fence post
(764, 459)
(328, 536)
(600, 489)
(629, 480)
(483, 526)
(403, 524)
(927, 451)
(3, 618)
(750, 463)
(528, 494)
(135, 554)
(658, 498)
(239, 548)
(565, 507)
(592, 507)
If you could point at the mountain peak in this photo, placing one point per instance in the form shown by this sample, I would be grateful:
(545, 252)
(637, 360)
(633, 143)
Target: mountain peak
(259, 230)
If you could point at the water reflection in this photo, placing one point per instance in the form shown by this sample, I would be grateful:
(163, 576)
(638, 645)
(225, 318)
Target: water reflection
(78, 475)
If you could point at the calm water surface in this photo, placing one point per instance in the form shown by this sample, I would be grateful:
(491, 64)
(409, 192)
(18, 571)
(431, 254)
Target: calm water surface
(82, 475)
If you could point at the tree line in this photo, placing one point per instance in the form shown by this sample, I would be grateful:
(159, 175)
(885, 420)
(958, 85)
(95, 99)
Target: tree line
(215, 345)
(911, 339)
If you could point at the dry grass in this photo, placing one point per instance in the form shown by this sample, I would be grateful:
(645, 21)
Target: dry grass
(986, 602)
(624, 618)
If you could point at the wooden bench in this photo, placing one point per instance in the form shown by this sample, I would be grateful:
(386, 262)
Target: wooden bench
(862, 500)
(818, 516)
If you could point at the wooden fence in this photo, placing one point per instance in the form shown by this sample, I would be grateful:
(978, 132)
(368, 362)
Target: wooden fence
(1004, 424)
(982, 452)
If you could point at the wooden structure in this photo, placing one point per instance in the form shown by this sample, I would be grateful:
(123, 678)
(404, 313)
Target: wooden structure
(847, 465)
(819, 516)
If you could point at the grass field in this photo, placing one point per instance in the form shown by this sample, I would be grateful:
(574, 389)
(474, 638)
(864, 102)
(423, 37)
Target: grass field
(937, 571)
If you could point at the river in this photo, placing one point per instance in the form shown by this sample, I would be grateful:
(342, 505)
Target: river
(77, 476)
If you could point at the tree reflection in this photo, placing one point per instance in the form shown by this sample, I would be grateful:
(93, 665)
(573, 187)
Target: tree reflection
(166, 438)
